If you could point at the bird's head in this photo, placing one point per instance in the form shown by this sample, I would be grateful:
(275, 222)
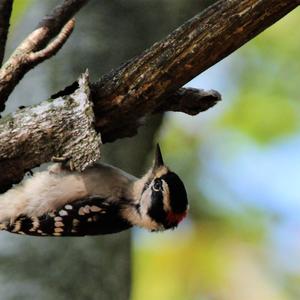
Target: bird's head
(163, 198)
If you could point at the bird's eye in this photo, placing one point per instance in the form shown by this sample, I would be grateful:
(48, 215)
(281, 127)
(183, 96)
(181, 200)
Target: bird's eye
(157, 185)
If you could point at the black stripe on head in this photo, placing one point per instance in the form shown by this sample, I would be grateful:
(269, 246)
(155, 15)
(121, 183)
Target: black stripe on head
(178, 196)
(156, 210)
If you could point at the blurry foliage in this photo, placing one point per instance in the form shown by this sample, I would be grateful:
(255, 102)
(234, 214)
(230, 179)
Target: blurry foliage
(267, 102)
(263, 116)
(292, 285)
(196, 264)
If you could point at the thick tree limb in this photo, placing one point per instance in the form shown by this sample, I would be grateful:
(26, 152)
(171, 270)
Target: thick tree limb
(63, 127)
(36, 47)
(137, 88)
(5, 12)
(187, 100)
(151, 82)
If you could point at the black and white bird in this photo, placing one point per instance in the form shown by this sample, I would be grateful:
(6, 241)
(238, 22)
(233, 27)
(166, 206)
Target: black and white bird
(100, 200)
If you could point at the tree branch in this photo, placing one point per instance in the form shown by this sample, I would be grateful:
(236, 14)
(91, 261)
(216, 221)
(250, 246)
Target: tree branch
(53, 47)
(55, 21)
(5, 12)
(190, 101)
(63, 127)
(151, 82)
(137, 87)
(35, 48)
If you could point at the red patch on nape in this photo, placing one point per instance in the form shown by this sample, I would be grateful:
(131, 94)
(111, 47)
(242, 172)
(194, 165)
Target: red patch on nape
(174, 218)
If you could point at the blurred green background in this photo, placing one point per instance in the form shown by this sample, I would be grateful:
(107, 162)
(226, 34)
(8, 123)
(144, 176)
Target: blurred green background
(240, 162)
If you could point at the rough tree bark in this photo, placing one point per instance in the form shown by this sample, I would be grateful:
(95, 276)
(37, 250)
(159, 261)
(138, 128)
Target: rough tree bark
(151, 81)
(138, 87)
(64, 125)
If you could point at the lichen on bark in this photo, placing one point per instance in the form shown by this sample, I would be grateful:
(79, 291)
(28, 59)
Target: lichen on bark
(61, 127)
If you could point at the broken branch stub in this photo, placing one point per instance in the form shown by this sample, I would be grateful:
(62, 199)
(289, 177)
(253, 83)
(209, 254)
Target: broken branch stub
(62, 127)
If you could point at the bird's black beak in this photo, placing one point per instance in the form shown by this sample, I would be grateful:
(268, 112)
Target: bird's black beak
(158, 162)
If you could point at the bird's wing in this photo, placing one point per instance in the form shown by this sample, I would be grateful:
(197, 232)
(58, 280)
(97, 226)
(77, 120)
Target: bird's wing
(89, 216)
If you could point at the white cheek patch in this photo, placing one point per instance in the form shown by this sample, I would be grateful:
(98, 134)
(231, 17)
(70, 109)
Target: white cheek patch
(145, 202)
(140, 218)
(166, 196)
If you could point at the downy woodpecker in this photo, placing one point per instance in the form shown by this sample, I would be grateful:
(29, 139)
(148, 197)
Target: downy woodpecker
(100, 200)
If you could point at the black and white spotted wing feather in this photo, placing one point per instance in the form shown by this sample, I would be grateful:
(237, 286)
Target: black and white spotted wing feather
(88, 216)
